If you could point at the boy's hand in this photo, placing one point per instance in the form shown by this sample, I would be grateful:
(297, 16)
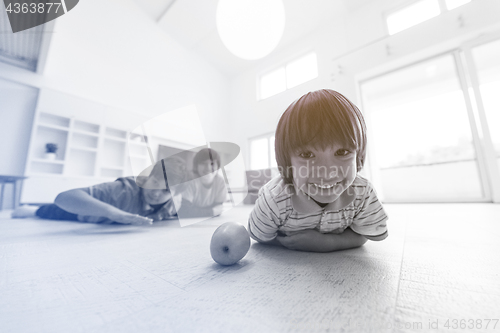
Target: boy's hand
(127, 218)
(305, 240)
(218, 210)
(167, 212)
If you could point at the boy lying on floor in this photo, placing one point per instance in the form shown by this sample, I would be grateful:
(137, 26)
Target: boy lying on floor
(125, 200)
(204, 195)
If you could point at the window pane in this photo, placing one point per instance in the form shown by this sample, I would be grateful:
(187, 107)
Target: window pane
(259, 154)
(412, 15)
(301, 70)
(272, 83)
(422, 138)
(451, 4)
(487, 60)
(274, 164)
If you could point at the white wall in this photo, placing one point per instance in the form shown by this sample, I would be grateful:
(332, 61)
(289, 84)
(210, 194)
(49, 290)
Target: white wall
(17, 106)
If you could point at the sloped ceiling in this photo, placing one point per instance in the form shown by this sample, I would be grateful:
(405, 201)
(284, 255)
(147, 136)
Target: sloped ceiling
(22, 48)
(192, 24)
(155, 8)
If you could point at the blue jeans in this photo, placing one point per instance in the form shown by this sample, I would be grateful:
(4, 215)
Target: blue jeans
(53, 212)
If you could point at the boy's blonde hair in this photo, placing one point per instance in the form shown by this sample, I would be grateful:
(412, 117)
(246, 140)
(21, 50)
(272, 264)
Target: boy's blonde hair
(318, 119)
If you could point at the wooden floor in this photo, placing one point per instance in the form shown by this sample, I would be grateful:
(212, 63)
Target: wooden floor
(440, 263)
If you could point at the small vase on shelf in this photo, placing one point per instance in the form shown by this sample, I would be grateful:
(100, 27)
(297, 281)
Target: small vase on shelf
(50, 151)
(50, 156)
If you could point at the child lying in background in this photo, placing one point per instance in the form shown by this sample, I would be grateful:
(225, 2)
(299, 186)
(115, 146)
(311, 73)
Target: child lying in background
(205, 193)
(125, 200)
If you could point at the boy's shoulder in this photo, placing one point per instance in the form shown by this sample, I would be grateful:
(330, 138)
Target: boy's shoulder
(363, 189)
(132, 181)
(130, 184)
(219, 180)
(361, 181)
(277, 189)
(118, 186)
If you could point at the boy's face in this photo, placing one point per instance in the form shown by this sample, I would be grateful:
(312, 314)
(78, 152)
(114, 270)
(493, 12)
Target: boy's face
(154, 192)
(207, 170)
(323, 174)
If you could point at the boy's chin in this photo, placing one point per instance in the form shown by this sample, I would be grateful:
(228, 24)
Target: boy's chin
(325, 199)
(207, 181)
(155, 202)
(325, 196)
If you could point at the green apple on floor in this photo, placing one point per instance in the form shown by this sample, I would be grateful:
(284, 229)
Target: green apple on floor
(230, 243)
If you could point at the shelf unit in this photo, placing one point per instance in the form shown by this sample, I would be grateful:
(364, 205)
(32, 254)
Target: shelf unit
(138, 153)
(87, 153)
(84, 149)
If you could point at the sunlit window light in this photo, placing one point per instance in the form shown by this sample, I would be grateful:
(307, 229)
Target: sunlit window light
(274, 164)
(452, 4)
(411, 15)
(273, 83)
(301, 70)
(487, 62)
(259, 154)
(290, 75)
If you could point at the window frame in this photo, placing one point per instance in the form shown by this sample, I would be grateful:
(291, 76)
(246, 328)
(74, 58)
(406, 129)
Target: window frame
(268, 137)
(284, 65)
(442, 9)
(488, 174)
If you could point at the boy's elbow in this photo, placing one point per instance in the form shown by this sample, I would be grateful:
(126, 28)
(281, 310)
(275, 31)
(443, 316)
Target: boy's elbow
(352, 244)
(67, 197)
(61, 198)
(252, 235)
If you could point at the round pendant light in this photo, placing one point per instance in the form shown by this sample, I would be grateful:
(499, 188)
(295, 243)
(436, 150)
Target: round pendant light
(250, 29)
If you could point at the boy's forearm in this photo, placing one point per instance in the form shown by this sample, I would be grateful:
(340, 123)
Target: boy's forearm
(274, 242)
(314, 241)
(346, 240)
(79, 202)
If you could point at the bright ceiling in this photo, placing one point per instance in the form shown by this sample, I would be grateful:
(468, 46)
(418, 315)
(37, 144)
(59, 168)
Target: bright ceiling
(192, 24)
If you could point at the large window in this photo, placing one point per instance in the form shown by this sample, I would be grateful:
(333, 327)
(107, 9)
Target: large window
(417, 12)
(262, 154)
(424, 147)
(482, 60)
(452, 4)
(291, 74)
(487, 62)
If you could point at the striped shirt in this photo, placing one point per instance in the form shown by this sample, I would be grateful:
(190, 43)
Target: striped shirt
(205, 196)
(279, 208)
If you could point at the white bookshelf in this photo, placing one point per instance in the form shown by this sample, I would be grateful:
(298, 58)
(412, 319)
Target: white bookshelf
(87, 153)
(138, 153)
